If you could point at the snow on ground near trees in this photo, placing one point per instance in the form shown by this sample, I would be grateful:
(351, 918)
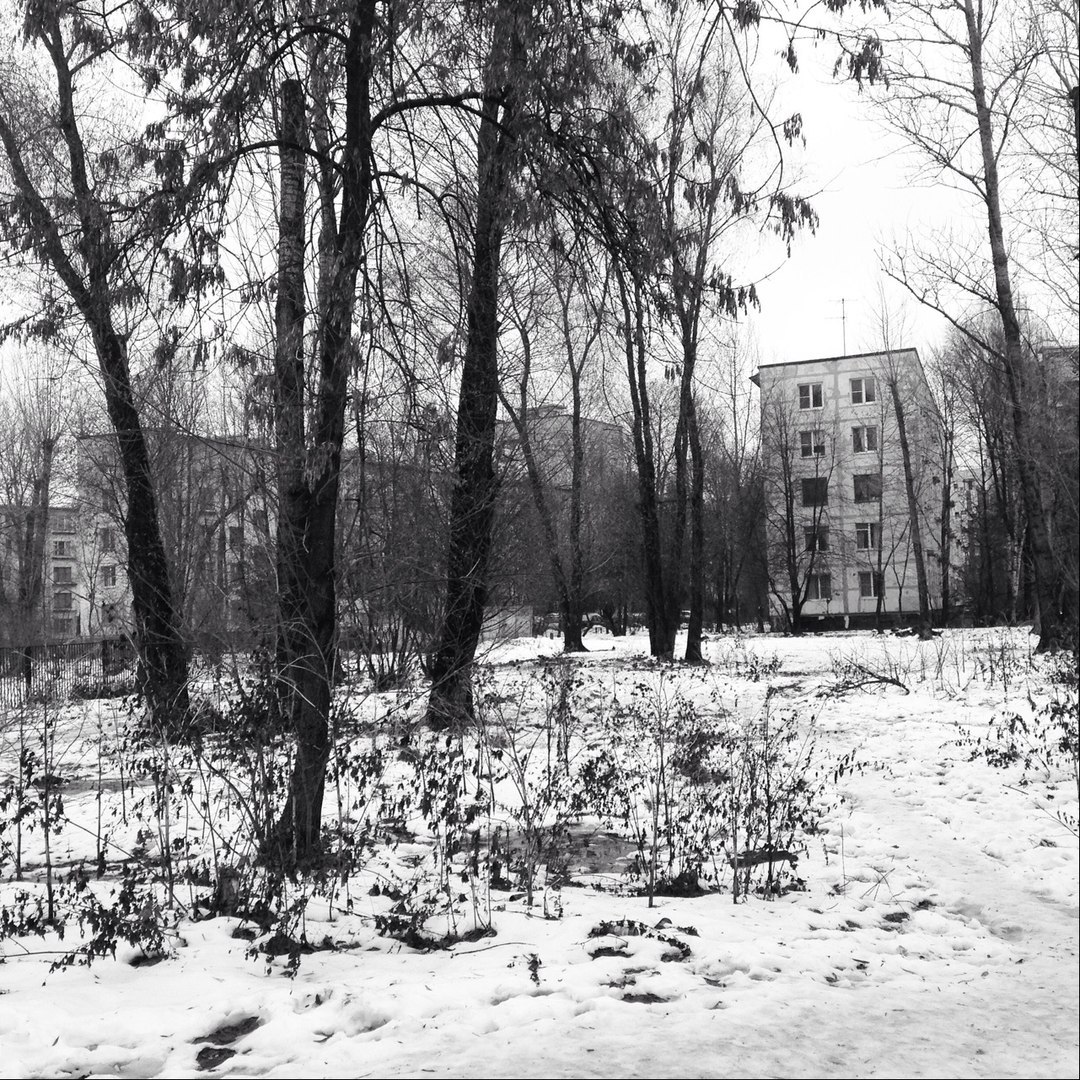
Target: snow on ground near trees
(937, 935)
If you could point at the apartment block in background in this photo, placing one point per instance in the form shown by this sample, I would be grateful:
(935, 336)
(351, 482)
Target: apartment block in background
(41, 575)
(840, 539)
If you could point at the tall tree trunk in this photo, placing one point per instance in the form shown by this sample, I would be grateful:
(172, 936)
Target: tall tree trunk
(925, 618)
(569, 580)
(945, 534)
(576, 584)
(657, 608)
(1040, 550)
(697, 536)
(472, 504)
(162, 655)
(289, 432)
(298, 833)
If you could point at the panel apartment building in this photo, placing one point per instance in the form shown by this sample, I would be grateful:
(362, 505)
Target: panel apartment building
(40, 575)
(841, 549)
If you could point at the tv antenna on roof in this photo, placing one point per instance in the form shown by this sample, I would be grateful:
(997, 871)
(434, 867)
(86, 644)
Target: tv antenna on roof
(843, 322)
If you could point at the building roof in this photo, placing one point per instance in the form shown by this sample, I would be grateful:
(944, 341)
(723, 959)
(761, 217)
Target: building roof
(755, 378)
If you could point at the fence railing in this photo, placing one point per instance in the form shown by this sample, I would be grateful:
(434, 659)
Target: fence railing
(79, 669)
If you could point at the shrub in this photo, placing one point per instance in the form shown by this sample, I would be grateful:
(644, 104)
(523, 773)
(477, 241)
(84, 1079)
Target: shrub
(1042, 740)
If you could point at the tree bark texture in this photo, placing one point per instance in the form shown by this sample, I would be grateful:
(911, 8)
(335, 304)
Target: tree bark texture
(472, 506)
(313, 611)
(289, 433)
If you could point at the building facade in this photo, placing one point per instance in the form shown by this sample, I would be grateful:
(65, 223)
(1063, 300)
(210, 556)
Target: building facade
(214, 499)
(216, 509)
(844, 513)
(41, 575)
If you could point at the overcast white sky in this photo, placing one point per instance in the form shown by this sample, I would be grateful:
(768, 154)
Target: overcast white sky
(865, 200)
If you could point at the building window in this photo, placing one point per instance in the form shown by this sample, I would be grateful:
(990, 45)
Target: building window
(108, 576)
(260, 520)
(63, 521)
(63, 625)
(812, 443)
(62, 575)
(863, 391)
(810, 396)
(236, 537)
(63, 601)
(871, 584)
(815, 491)
(817, 538)
(867, 487)
(864, 440)
(107, 540)
(819, 587)
(61, 549)
(868, 536)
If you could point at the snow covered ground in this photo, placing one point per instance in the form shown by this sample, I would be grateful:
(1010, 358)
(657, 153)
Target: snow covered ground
(937, 934)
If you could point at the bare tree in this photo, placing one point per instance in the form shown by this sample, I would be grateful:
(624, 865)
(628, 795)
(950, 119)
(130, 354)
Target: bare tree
(944, 388)
(960, 74)
(86, 210)
(36, 411)
(736, 492)
(554, 313)
(1049, 132)
(798, 465)
(472, 505)
(899, 375)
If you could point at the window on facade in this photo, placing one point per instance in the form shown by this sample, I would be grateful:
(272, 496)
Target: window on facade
(863, 391)
(871, 584)
(63, 625)
(867, 487)
(62, 549)
(63, 601)
(108, 576)
(819, 587)
(815, 491)
(867, 535)
(812, 443)
(107, 540)
(260, 521)
(810, 396)
(63, 521)
(62, 575)
(817, 538)
(236, 536)
(864, 440)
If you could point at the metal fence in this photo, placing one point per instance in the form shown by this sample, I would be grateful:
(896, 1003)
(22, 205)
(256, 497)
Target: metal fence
(81, 669)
